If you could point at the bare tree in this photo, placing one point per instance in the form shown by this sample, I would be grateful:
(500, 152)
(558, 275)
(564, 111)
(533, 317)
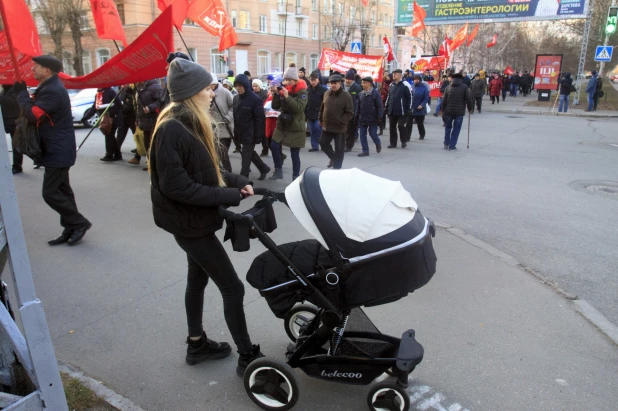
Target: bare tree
(73, 10)
(53, 16)
(349, 19)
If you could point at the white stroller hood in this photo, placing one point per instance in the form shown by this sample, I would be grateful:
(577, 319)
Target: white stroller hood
(366, 208)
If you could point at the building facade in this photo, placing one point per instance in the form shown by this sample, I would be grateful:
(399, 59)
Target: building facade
(271, 33)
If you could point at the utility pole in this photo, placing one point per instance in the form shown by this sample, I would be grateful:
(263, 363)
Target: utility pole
(582, 54)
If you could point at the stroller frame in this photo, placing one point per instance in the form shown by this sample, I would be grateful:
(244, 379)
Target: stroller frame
(330, 321)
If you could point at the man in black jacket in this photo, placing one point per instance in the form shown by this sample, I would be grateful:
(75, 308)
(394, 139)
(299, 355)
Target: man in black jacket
(315, 94)
(370, 112)
(456, 99)
(354, 89)
(10, 114)
(104, 98)
(397, 107)
(515, 79)
(526, 83)
(127, 99)
(148, 106)
(51, 112)
(249, 125)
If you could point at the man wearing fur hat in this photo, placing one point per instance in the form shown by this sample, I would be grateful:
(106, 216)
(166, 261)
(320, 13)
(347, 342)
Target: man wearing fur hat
(354, 89)
(336, 111)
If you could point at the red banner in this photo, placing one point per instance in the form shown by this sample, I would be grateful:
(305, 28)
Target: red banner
(546, 71)
(19, 42)
(211, 15)
(388, 50)
(508, 70)
(179, 10)
(342, 62)
(143, 59)
(418, 21)
(434, 88)
(459, 38)
(107, 20)
(429, 63)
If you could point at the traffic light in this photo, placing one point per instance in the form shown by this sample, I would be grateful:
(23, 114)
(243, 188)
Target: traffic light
(612, 20)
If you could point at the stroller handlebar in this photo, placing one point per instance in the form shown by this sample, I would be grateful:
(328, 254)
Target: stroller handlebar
(273, 196)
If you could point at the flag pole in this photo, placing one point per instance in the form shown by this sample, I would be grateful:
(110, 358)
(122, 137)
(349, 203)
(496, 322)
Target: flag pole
(183, 42)
(117, 47)
(18, 76)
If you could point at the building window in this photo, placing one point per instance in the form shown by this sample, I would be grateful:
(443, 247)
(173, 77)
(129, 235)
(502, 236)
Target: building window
(87, 62)
(217, 64)
(103, 56)
(234, 19)
(263, 62)
(314, 33)
(314, 5)
(193, 53)
(83, 20)
(313, 62)
(40, 24)
(290, 57)
(373, 17)
(299, 28)
(281, 26)
(262, 24)
(67, 63)
(120, 7)
(245, 21)
(326, 36)
(278, 61)
(189, 22)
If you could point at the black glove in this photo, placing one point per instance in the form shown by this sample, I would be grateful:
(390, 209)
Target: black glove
(18, 87)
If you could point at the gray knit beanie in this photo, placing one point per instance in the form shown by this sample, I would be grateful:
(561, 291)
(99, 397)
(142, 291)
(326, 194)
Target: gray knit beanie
(291, 73)
(186, 78)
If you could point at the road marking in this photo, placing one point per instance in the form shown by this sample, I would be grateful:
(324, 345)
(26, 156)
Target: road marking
(421, 397)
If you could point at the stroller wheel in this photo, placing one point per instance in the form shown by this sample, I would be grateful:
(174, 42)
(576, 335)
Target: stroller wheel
(388, 396)
(297, 317)
(271, 384)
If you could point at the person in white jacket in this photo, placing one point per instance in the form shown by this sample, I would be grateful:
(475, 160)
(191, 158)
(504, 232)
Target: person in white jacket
(221, 112)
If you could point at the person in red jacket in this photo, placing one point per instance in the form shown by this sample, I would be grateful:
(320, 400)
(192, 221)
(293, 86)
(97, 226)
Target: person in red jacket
(495, 86)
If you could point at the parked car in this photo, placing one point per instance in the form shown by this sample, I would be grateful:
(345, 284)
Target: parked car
(80, 102)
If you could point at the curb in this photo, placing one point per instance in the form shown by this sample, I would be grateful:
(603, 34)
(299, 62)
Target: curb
(550, 113)
(112, 398)
(594, 316)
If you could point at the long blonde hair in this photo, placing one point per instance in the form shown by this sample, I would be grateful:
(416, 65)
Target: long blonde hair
(201, 124)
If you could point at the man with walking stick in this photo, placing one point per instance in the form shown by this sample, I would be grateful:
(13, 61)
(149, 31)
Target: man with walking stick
(456, 99)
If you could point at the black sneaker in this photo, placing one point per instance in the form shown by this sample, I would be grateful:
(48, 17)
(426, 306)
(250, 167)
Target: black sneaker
(205, 349)
(247, 358)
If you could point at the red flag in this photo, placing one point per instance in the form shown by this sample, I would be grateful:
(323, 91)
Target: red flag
(365, 3)
(179, 10)
(460, 37)
(418, 22)
(472, 35)
(388, 49)
(107, 20)
(143, 59)
(508, 70)
(445, 48)
(19, 42)
(493, 41)
(211, 15)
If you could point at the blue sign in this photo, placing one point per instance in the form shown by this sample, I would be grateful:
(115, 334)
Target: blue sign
(603, 53)
(356, 47)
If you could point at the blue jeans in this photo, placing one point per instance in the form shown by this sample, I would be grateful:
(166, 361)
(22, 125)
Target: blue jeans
(438, 106)
(514, 89)
(451, 130)
(278, 160)
(315, 131)
(373, 132)
(564, 101)
(590, 101)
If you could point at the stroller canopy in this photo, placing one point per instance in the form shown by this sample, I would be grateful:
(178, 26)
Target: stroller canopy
(354, 213)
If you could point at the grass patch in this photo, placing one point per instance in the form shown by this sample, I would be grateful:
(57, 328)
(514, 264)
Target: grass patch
(81, 398)
(608, 102)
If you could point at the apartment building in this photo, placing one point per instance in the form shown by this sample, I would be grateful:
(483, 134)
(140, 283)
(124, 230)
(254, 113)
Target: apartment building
(271, 33)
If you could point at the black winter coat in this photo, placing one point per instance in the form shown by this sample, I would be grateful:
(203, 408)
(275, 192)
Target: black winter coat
(115, 111)
(515, 79)
(456, 98)
(184, 189)
(314, 101)
(10, 108)
(355, 91)
(249, 116)
(370, 108)
(565, 84)
(127, 97)
(51, 112)
(398, 100)
(150, 96)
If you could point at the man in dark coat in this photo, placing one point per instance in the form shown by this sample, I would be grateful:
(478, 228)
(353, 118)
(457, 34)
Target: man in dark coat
(51, 112)
(249, 125)
(10, 114)
(397, 107)
(354, 90)
(336, 111)
(565, 82)
(127, 99)
(302, 75)
(369, 115)
(454, 103)
(104, 98)
(515, 79)
(148, 106)
(477, 90)
(315, 93)
(526, 83)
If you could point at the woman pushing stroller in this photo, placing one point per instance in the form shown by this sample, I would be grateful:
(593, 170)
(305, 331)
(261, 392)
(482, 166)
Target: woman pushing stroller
(187, 187)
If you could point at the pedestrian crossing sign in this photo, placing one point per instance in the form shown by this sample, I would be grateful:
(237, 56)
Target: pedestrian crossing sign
(603, 53)
(356, 47)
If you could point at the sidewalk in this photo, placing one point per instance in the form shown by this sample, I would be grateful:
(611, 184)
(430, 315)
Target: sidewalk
(515, 105)
(495, 337)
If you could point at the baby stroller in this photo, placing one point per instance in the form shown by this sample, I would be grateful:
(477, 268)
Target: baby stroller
(371, 247)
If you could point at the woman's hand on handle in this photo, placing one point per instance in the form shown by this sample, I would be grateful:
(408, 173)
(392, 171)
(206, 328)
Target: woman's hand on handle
(247, 191)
